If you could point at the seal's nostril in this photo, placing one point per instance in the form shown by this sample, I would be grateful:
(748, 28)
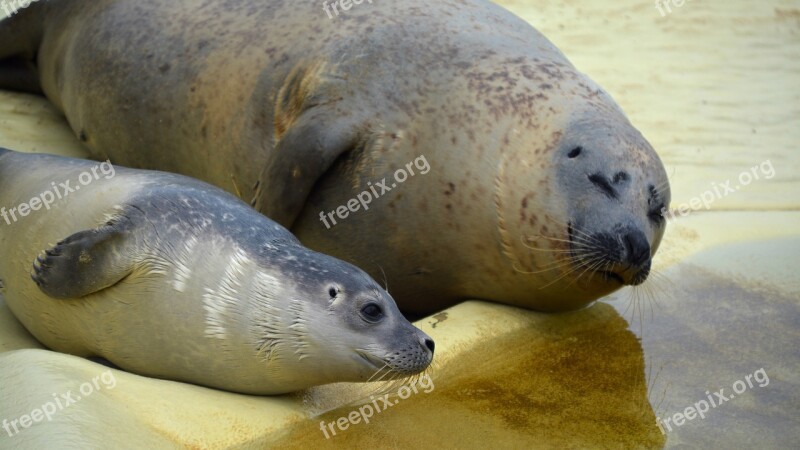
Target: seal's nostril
(429, 343)
(637, 248)
(603, 183)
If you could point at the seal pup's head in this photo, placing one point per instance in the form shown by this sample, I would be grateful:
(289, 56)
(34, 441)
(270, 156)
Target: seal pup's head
(316, 319)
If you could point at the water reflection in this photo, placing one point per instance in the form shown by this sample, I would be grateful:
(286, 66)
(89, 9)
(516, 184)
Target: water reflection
(566, 380)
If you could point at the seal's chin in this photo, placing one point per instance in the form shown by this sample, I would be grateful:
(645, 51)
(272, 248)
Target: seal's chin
(612, 277)
(628, 277)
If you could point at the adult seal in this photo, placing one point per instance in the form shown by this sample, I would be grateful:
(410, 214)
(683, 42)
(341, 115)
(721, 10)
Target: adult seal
(169, 277)
(540, 193)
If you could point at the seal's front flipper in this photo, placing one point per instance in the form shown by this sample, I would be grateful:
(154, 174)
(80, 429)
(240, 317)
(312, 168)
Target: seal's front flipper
(296, 164)
(311, 133)
(90, 260)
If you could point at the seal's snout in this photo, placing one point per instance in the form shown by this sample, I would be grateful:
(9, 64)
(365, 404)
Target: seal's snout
(416, 357)
(637, 249)
(426, 344)
(627, 256)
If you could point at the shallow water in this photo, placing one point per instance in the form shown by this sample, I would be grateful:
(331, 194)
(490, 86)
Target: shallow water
(599, 377)
(555, 381)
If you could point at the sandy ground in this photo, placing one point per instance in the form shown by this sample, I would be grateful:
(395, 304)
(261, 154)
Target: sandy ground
(715, 87)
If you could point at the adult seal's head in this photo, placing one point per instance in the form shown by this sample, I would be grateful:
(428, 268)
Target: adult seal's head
(169, 277)
(615, 191)
(594, 220)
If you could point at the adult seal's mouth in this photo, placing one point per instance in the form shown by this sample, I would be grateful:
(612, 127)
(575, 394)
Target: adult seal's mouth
(621, 257)
(630, 277)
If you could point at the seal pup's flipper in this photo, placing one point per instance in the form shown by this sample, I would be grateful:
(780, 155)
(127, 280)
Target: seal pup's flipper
(90, 260)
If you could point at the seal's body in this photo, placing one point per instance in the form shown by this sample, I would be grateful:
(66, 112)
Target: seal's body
(169, 277)
(540, 193)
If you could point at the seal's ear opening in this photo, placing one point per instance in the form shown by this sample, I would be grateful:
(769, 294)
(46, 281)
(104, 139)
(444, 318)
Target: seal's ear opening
(334, 293)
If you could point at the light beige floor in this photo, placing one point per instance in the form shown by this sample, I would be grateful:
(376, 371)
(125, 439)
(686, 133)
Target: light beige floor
(715, 86)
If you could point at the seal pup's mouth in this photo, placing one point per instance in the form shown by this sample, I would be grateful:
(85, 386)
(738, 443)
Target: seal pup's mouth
(400, 364)
(371, 359)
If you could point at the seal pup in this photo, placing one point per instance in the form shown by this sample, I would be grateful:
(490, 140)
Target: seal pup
(169, 277)
(540, 194)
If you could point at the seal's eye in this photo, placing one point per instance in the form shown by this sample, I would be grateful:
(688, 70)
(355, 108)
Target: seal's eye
(372, 312)
(575, 152)
(657, 215)
(333, 292)
(657, 207)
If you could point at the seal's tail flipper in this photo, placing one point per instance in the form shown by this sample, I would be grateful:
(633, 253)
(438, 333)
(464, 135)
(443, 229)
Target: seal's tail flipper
(90, 260)
(20, 36)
